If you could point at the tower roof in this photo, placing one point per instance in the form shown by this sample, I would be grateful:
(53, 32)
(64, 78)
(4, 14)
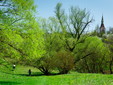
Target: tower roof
(102, 27)
(102, 20)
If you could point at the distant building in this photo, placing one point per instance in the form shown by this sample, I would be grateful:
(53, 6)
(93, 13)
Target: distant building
(102, 27)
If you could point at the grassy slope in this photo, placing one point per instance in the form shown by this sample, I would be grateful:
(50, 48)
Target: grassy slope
(21, 78)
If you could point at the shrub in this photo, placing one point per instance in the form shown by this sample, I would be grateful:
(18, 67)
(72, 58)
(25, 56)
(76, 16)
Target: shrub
(64, 61)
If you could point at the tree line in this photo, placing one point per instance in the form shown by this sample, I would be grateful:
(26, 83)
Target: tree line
(61, 42)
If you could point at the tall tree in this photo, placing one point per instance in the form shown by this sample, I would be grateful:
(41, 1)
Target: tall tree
(109, 43)
(97, 61)
(20, 35)
(75, 23)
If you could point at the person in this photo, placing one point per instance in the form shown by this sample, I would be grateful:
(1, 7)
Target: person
(14, 66)
(29, 72)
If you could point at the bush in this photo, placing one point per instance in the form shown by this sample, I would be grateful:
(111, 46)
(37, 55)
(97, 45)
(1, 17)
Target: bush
(64, 61)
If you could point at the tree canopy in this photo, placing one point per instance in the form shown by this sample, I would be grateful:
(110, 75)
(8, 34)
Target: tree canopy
(20, 35)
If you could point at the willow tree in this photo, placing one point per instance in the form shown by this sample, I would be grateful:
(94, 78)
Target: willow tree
(20, 35)
(96, 62)
(53, 44)
(109, 43)
(74, 24)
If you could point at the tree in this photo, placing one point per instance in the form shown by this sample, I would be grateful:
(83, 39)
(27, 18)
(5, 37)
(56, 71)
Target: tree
(45, 64)
(59, 35)
(109, 44)
(96, 62)
(96, 31)
(110, 31)
(73, 24)
(20, 36)
(54, 43)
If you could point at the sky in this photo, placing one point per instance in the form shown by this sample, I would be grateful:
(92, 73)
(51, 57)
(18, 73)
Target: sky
(97, 8)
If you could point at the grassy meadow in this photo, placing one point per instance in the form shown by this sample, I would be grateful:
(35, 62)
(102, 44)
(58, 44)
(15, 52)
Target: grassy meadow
(20, 77)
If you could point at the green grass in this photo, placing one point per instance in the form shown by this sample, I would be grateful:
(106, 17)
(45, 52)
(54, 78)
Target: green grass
(19, 77)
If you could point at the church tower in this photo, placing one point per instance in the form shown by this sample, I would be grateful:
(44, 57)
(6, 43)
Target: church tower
(102, 27)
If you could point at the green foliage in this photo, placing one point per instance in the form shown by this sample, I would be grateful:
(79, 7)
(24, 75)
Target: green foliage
(64, 61)
(45, 64)
(97, 55)
(72, 25)
(20, 36)
(109, 43)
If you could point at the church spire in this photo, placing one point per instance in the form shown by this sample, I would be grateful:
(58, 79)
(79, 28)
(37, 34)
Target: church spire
(102, 27)
(102, 20)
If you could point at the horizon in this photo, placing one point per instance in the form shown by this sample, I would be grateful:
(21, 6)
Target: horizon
(96, 8)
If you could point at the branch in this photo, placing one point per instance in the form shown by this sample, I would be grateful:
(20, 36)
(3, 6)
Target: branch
(85, 26)
(70, 29)
(83, 57)
(19, 50)
(16, 20)
(71, 49)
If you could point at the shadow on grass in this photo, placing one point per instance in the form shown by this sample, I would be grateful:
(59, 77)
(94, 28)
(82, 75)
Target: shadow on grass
(33, 74)
(38, 74)
(8, 83)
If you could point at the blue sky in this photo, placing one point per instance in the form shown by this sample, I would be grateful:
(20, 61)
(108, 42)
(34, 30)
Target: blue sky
(96, 8)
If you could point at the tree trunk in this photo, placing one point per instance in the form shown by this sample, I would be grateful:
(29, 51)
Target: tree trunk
(110, 66)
